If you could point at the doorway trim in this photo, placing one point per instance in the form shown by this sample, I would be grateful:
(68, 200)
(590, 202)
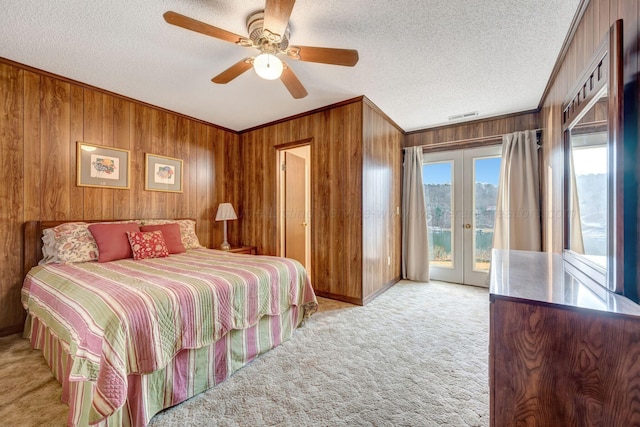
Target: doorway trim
(281, 149)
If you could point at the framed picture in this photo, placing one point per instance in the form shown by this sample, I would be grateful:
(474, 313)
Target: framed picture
(100, 166)
(162, 173)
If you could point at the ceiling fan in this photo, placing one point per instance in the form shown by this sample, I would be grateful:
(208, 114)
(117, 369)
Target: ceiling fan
(269, 33)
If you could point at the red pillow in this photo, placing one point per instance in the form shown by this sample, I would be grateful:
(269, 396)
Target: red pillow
(112, 240)
(148, 244)
(171, 234)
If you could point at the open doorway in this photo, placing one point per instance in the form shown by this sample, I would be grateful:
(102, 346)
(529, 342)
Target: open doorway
(295, 203)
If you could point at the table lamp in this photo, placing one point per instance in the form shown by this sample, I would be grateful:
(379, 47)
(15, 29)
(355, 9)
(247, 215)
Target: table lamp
(225, 212)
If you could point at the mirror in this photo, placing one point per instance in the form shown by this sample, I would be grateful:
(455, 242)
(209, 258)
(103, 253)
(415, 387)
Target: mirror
(588, 172)
(593, 159)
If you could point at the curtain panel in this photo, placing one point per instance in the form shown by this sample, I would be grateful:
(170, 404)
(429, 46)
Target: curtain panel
(415, 240)
(518, 207)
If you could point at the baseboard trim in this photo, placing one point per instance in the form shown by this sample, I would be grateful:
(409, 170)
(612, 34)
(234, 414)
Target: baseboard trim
(350, 300)
(380, 291)
(10, 330)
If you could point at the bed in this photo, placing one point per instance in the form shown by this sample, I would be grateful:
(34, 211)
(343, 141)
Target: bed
(128, 338)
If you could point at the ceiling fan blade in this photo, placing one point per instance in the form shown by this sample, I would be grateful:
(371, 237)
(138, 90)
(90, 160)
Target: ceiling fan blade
(232, 72)
(276, 15)
(292, 83)
(178, 20)
(324, 55)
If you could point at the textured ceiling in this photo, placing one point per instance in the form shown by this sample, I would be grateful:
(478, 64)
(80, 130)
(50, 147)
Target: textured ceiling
(420, 61)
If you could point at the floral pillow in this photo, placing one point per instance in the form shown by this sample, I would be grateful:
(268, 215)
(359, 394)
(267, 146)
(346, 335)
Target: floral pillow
(187, 230)
(147, 244)
(68, 243)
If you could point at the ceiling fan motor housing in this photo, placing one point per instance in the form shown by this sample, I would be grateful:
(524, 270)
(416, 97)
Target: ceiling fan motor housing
(260, 37)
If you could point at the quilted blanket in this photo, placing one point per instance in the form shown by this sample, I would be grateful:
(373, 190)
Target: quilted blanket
(126, 317)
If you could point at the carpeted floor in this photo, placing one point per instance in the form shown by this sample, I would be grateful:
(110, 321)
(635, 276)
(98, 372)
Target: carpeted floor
(415, 356)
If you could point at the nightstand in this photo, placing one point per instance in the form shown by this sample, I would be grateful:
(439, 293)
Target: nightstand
(249, 250)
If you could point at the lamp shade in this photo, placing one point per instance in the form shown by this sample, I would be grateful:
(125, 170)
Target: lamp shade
(268, 66)
(225, 211)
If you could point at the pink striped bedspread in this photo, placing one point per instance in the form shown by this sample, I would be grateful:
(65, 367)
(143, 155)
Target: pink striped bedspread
(126, 317)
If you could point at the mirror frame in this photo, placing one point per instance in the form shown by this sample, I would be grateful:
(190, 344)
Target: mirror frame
(604, 70)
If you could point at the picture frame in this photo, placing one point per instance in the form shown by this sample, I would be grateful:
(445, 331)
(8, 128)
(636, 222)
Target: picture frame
(104, 167)
(162, 173)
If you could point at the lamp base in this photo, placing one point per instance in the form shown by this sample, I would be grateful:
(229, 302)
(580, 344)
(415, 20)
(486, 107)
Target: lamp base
(225, 246)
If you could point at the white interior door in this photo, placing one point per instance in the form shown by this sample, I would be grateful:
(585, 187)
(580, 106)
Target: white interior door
(461, 188)
(294, 200)
(295, 211)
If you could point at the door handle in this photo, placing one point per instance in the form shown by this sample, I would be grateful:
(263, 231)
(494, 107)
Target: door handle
(304, 224)
(467, 226)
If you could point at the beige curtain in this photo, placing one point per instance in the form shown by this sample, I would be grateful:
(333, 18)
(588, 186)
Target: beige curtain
(415, 240)
(518, 208)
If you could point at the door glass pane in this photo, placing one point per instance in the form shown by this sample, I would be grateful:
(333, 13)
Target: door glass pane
(438, 196)
(486, 172)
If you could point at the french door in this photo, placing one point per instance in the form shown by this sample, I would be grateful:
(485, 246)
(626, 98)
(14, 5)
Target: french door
(461, 190)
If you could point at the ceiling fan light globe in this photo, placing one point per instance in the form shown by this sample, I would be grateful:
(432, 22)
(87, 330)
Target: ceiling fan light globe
(268, 66)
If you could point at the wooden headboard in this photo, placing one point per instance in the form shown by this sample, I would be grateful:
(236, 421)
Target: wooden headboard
(33, 238)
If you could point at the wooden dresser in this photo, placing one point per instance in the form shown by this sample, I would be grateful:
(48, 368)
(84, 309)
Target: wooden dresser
(562, 350)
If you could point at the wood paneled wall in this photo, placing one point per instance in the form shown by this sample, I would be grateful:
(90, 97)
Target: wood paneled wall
(381, 202)
(598, 17)
(336, 194)
(459, 134)
(41, 118)
(355, 180)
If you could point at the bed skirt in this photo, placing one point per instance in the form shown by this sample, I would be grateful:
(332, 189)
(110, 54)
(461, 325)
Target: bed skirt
(191, 371)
